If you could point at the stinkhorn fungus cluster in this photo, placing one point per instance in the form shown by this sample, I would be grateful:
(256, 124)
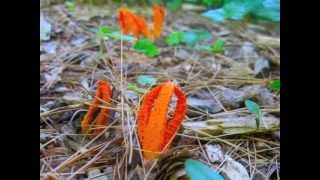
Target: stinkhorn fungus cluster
(92, 123)
(155, 131)
(138, 26)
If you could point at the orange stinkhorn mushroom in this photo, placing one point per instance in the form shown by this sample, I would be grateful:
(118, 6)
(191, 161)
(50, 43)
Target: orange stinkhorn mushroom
(103, 92)
(155, 131)
(137, 25)
(128, 22)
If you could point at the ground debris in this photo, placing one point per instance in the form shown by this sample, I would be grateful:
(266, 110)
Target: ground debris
(217, 130)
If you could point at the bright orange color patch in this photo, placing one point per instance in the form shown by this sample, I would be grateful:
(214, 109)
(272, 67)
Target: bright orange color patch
(137, 25)
(158, 19)
(155, 131)
(143, 27)
(128, 22)
(104, 93)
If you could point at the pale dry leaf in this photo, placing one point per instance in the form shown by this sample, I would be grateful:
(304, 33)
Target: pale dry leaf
(214, 152)
(233, 170)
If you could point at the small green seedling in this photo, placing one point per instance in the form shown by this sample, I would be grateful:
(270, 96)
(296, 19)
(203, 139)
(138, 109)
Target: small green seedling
(104, 31)
(133, 87)
(147, 47)
(218, 46)
(174, 38)
(254, 108)
(275, 85)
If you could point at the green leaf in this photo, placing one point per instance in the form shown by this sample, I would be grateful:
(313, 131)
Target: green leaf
(103, 31)
(218, 46)
(155, 1)
(203, 34)
(239, 9)
(133, 87)
(275, 85)
(191, 1)
(216, 15)
(70, 5)
(268, 10)
(147, 47)
(117, 35)
(106, 32)
(254, 108)
(212, 2)
(174, 4)
(197, 170)
(174, 38)
(192, 37)
(146, 80)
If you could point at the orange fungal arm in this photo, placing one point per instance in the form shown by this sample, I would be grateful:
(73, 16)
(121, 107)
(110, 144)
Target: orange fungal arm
(155, 128)
(103, 92)
(179, 113)
(102, 117)
(158, 20)
(144, 111)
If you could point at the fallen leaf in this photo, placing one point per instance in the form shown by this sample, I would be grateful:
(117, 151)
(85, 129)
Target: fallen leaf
(73, 97)
(234, 170)
(261, 65)
(78, 40)
(50, 47)
(146, 80)
(45, 28)
(53, 75)
(197, 170)
(214, 152)
(95, 174)
(209, 105)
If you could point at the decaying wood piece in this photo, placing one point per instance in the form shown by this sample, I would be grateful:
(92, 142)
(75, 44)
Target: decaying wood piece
(268, 41)
(234, 125)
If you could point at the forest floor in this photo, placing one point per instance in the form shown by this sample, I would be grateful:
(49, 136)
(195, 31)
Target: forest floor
(218, 128)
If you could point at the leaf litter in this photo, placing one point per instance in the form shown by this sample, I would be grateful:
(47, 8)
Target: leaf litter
(218, 129)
